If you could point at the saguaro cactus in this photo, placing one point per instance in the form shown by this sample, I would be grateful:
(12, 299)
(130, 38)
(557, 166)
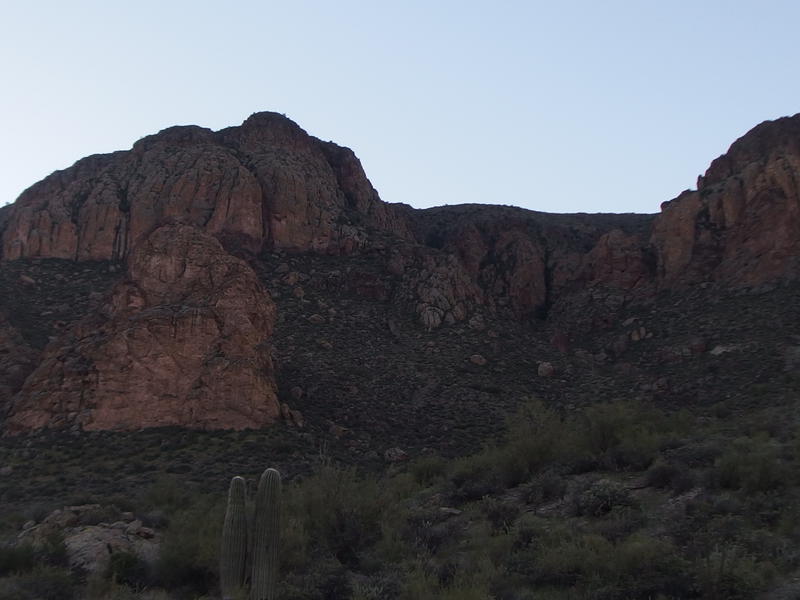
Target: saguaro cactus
(233, 555)
(266, 521)
(261, 555)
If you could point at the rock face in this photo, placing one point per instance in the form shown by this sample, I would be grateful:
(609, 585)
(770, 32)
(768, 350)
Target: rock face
(182, 342)
(525, 260)
(16, 359)
(741, 225)
(191, 215)
(264, 184)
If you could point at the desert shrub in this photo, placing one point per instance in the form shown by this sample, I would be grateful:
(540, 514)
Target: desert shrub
(329, 580)
(154, 595)
(127, 568)
(729, 573)
(155, 518)
(491, 548)
(752, 464)
(546, 487)
(373, 588)
(621, 523)
(10, 522)
(294, 548)
(600, 498)
(620, 435)
(418, 582)
(100, 588)
(699, 454)
(100, 514)
(534, 441)
(464, 591)
(428, 531)
(42, 582)
(340, 510)
(189, 554)
(638, 567)
(571, 560)
(16, 559)
(473, 477)
(53, 550)
(428, 469)
(535, 438)
(38, 511)
(643, 567)
(528, 531)
(166, 494)
(456, 577)
(398, 487)
(660, 474)
(501, 515)
(663, 475)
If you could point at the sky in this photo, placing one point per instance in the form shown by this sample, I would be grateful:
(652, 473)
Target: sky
(569, 106)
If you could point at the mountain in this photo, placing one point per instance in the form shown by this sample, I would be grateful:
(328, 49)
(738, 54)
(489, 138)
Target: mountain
(229, 279)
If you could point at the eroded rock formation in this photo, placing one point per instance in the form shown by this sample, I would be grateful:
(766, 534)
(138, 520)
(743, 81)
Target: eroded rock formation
(182, 341)
(742, 225)
(264, 184)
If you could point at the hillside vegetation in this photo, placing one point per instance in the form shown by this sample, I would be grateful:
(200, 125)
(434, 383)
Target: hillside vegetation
(621, 500)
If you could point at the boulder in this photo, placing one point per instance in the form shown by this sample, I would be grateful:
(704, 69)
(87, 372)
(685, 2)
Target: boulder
(546, 369)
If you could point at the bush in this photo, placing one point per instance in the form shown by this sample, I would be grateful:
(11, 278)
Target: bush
(501, 514)
(53, 550)
(294, 548)
(426, 531)
(535, 440)
(340, 510)
(546, 487)
(16, 559)
(645, 566)
(42, 582)
(663, 475)
(600, 498)
(620, 435)
(730, 574)
(621, 523)
(127, 569)
(428, 469)
(167, 494)
(572, 559)
(639, 567)
(474, 477)
(189, 555)
(752, 464)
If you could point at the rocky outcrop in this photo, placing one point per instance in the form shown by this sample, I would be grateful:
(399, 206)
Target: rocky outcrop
(525, 260)
(618, 260)
(265, 184)
(183, 341)
(434, 285)
(92, 534)
(17, 359)
(742, 225)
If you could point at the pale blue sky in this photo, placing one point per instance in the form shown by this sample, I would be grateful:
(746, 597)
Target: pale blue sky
(558, 106)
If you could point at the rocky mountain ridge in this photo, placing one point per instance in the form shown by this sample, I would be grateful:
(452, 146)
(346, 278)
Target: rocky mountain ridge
(197, 236)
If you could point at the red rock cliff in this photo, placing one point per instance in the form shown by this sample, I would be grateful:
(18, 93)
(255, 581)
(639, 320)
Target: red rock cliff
(182, 341)
(742, 225)
(264, 184)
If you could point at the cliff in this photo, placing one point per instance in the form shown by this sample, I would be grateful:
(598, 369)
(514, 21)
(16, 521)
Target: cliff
(186, 239)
